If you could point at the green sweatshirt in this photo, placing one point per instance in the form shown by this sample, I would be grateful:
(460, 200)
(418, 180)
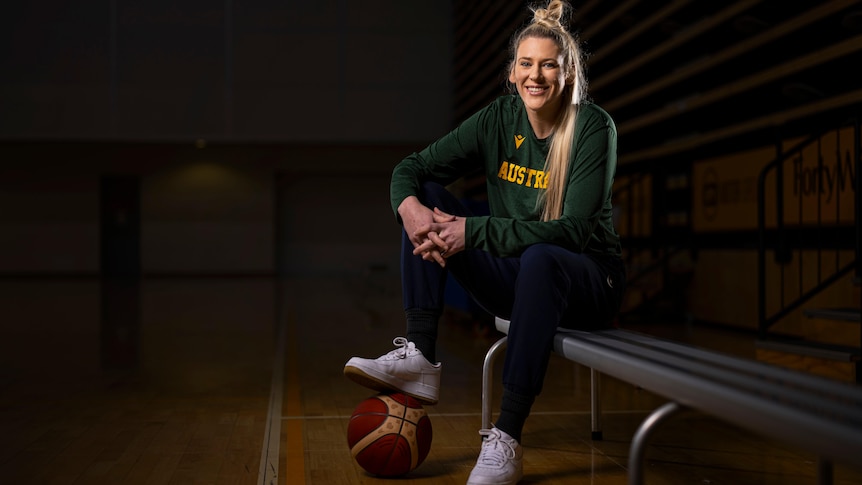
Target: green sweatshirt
(500, 140)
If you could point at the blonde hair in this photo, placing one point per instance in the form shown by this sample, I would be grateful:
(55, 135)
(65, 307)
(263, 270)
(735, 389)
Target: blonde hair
(548, 23)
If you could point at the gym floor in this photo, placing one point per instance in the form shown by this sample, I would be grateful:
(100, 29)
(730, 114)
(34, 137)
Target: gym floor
(239, 381)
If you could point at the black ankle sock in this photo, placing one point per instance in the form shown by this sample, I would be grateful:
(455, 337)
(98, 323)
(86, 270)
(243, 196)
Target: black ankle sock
(513, 413)
(422, 331)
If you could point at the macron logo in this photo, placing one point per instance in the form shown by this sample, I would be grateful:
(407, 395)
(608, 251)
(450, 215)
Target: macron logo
(518, 140)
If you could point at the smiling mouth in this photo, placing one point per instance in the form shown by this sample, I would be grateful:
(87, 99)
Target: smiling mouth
(535, 89)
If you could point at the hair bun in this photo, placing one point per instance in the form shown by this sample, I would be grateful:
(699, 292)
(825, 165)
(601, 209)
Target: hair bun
(551, 16)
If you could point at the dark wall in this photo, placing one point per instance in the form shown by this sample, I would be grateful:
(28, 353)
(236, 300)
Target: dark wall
(239, 70)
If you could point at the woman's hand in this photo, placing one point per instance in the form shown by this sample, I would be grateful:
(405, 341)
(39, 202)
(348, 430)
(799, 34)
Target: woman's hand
(441, 238)
(415, 216)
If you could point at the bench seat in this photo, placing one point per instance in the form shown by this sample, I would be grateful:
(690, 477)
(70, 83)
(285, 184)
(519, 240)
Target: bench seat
(813, 413)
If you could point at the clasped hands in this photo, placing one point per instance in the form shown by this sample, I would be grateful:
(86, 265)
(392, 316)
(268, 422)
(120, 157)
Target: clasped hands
(435, 234)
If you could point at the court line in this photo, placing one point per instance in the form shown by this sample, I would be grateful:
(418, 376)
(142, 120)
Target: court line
(268, 472)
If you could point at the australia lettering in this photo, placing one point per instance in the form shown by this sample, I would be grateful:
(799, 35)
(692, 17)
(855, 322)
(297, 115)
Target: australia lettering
(528, 177)
(823, 179)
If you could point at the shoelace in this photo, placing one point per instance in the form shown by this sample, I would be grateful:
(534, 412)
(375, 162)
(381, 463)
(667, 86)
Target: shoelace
(401, 352)
(495, 451)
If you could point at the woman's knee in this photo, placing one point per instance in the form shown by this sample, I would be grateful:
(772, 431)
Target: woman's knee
(432, 194)
(542, 257)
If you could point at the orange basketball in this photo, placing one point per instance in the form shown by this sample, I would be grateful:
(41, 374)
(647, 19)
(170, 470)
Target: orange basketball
(389, 434)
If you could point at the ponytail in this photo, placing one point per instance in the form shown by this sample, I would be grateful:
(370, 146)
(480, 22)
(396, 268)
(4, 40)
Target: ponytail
(548, 23)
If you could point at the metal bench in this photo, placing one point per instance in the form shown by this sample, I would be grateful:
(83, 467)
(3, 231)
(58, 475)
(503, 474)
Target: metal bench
(815, 414)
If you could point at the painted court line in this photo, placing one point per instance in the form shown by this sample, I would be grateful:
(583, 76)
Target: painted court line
(268, 473)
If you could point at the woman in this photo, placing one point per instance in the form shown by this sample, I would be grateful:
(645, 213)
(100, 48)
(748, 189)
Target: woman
(548, 256)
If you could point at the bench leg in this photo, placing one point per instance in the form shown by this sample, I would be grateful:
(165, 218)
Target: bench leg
(487, 391)
(487, 374)
(595, 404)
(637, 452)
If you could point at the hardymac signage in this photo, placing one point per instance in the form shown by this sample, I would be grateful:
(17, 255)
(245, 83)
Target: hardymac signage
(832, 177)
(818, 180)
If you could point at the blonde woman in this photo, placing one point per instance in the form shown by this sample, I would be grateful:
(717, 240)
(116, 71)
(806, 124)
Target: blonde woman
(547, 256)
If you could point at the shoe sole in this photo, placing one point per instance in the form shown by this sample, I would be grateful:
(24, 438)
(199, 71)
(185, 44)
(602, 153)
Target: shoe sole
(364, 379)
(512, 481)
(509, 482)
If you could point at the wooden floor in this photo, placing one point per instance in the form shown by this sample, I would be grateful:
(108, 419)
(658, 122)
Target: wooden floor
(239, 381)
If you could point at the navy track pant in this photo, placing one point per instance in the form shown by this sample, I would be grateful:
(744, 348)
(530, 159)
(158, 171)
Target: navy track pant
(545, 288)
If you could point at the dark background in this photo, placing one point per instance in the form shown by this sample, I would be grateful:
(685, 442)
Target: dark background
(257, 136)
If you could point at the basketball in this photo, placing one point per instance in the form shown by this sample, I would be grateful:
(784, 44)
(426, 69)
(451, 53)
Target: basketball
(389, 434)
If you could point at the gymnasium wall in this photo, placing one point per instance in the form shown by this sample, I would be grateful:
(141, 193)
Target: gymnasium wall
(215, 210)
(722, 221)
(209, 105)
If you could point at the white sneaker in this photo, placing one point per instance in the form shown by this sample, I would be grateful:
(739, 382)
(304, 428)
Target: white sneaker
(403, 370)
(500, 461)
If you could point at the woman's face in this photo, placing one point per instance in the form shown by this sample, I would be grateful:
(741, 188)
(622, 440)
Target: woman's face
(538, 75)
